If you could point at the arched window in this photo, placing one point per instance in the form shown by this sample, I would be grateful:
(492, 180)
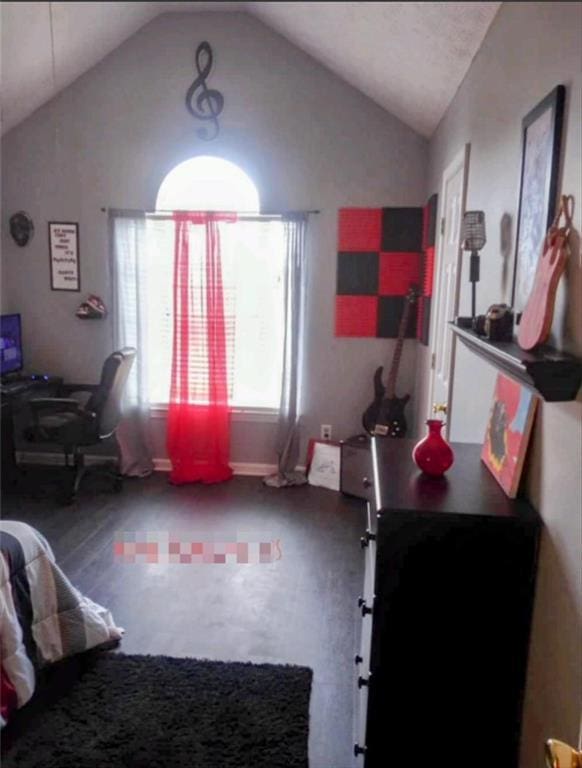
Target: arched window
(207, 183)
(252, 260)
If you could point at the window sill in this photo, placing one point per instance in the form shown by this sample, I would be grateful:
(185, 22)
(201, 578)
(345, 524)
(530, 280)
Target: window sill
(256, 415)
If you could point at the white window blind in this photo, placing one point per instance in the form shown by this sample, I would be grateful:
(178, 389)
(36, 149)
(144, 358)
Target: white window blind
(253, 262)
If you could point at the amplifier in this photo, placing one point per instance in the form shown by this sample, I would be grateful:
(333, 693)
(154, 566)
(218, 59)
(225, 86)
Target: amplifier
(356, 464)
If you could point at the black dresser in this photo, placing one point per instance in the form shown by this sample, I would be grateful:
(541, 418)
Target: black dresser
(445, 612)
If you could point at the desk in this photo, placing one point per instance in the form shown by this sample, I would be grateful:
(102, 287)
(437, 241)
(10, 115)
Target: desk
(13, 400)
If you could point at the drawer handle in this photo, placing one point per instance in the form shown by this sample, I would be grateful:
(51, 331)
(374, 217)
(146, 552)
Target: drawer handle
(359, 750)
(362, 604)
(367, 538)
(366, 482)
(358, 659)
(363, 681)
(365, 609)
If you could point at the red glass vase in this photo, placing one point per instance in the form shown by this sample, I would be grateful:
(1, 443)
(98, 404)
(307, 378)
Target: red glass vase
(433, 455)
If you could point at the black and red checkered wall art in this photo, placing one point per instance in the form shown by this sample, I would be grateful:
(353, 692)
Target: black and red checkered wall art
(380, 255)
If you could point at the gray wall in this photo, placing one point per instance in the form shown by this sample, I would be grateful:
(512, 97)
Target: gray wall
(306, 138)
(529, 49)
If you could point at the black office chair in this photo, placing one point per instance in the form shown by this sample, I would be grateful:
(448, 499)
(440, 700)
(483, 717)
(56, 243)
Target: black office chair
(73, 425)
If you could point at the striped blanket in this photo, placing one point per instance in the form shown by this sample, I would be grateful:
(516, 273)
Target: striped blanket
(43, 618)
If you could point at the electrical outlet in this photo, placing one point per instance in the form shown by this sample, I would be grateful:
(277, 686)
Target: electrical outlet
(326, 431)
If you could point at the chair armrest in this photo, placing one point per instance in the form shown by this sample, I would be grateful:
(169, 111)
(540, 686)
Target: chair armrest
(68, 389)
(40, 405)
(55, 404)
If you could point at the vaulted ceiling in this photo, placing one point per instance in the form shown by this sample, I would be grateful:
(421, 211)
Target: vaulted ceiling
(410, 58)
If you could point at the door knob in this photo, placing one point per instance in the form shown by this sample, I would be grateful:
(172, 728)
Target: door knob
(560, 755)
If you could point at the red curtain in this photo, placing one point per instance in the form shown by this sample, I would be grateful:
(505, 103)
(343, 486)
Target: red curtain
(198, 416)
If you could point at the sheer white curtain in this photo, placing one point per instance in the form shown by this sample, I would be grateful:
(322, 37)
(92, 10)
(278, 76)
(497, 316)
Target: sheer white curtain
(288, 433)
(263, 289)
(129, 272)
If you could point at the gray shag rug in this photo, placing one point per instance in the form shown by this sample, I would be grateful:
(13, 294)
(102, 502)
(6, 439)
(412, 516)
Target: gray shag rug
(125, 711)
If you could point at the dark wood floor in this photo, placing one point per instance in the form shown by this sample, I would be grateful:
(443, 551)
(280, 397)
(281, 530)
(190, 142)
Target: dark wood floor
(298, 610)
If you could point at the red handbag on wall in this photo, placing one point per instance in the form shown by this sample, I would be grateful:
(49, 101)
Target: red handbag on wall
(536, 320)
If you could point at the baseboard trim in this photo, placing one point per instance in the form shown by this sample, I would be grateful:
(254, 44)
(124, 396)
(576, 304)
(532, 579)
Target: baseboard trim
(58, 459)
(242, 468)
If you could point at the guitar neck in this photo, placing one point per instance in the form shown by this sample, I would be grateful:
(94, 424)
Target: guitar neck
(391, 382)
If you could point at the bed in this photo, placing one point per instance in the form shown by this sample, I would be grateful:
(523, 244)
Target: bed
(43, 617)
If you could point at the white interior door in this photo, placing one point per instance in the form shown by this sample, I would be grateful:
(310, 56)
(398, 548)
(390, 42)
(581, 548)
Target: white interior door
(448, 263)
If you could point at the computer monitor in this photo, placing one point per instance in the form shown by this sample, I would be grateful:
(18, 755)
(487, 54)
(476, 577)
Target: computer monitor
(10, 344)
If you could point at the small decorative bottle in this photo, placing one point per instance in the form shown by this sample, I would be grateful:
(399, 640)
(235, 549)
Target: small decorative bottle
(433, 455)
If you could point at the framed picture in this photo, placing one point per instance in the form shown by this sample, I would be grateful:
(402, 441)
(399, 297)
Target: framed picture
(508, 432)
(64, 256)
(323, 463)
(540, 162)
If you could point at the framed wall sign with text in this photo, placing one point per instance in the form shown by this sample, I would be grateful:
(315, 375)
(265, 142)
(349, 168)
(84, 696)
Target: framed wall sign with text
(64, 256)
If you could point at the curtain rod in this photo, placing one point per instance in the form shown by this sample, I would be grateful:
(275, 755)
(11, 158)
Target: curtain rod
(162, 214)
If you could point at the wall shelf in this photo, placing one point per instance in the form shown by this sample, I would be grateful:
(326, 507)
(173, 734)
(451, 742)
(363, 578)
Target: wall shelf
(556, 376)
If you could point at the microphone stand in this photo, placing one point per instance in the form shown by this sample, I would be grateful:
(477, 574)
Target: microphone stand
(474, 279)
(474, 274)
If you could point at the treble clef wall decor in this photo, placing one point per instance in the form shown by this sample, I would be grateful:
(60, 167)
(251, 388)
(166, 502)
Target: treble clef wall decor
(208, 103)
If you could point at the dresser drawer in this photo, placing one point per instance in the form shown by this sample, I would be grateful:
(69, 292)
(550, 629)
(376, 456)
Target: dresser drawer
(364, 608)
(369, 572)
(366, 598)
(361, 688)
(369, 547)
(360, 718)
(371, 517)
(361, 680)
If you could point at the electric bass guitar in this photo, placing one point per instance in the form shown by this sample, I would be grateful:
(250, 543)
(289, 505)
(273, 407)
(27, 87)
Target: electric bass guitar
(385, 414)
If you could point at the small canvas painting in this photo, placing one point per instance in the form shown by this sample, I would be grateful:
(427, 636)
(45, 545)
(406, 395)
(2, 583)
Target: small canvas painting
(508, 433)
(324, 464)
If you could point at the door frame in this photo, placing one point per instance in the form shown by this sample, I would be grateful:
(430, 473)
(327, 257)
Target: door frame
(460, 160)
